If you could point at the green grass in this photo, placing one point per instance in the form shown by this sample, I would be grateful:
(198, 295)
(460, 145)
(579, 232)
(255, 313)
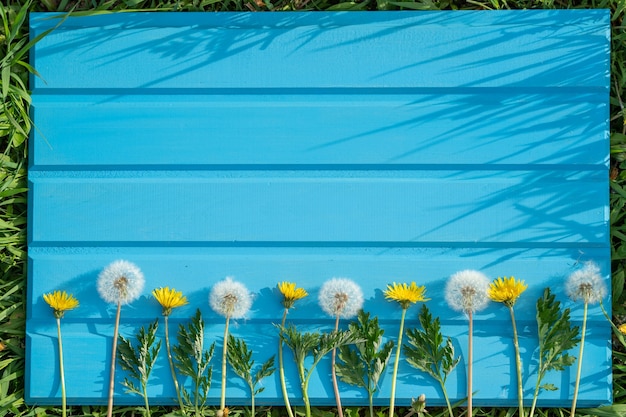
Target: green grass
(15, 126)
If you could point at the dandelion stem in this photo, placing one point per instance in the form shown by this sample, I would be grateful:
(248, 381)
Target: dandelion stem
(445, 395)
(392, 399)
(61, 369)
(470, 359)
(518, 364)
(113, 356)
(334, 373)
(281, 368)
(580, 360)
(171, 361)
(224, 352)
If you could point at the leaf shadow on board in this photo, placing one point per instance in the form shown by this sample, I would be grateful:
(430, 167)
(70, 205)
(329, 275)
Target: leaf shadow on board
(193, 47)
(547, 206)
(488, 91)
(561, 54)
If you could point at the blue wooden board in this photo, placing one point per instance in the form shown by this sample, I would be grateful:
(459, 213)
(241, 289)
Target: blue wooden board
(396, 146)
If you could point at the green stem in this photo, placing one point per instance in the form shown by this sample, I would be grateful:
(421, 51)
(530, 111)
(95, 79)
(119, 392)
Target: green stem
(196, 391)
(445, 396)
(334, 374)
(518, 365)
(224, 352)
(304, 385)
(392, 399)
(144, 387)
(536, 393)
(172, 368)
(470, 359)
(281, 369)
(580, 360)
(113, 357)
(61, 370)
(252, 401)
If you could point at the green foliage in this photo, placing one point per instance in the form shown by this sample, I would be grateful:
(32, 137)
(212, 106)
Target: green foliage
(428, 352)
(315, 344)
(14, 127)
(240, 359)
(363, 363)
(14, 119)
(556, 334)
(193, 361)
(139, 360)
(556, 337)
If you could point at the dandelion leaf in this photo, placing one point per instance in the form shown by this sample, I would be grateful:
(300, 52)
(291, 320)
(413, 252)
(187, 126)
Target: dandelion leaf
(139, 360)
(192, 360)
(556, 334)
(428, 351)
(368, 353)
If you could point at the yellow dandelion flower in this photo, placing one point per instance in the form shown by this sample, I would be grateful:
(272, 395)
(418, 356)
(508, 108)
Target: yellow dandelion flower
(622, 328)
(169, 299)
(60, 301)
(405, 294)
(290, 293)
(506, 290)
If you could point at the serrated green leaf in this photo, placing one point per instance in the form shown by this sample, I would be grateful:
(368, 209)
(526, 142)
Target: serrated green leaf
(138, 360)
(349, 369)
(362, 364)
(192, 360)
(429, 352)
(556, 337)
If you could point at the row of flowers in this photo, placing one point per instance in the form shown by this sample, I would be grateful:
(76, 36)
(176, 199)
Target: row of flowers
(358, 354)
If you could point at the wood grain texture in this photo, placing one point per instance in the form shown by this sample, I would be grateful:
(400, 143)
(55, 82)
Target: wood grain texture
(383, 147)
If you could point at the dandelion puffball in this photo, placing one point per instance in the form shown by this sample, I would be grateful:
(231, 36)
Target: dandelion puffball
(341, 297)
(230, 298)
(466, 291)
(586, 284)
(120, 282)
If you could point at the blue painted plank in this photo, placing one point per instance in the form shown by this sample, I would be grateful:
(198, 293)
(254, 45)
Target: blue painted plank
(454, 127)
(352, 49)
(378, 146)
(193, 270)
(462, 207)
(494, 374)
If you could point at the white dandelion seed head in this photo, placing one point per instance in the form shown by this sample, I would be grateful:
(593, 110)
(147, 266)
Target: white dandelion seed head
(341, 297)
(120, 282)
(586, 284)
(230, 299)
(466, 291)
